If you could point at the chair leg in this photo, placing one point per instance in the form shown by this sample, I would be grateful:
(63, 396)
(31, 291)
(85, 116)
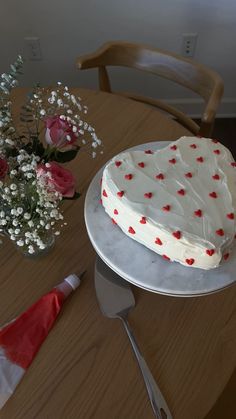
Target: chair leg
(206, 129)
(104, 82)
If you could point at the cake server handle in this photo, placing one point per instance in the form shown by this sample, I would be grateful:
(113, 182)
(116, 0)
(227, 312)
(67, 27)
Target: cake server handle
(159, 405)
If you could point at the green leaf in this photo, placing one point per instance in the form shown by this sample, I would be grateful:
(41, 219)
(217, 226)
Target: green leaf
(5, 129)
(28, 148)
(26, 119)
(11, 152)
(38, 148)
(27, 108)
(75, 196)
(64, 156)
(35, 147)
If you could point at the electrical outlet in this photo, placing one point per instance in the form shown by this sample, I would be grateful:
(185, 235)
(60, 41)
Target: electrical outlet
(34, 49)
(189, 42)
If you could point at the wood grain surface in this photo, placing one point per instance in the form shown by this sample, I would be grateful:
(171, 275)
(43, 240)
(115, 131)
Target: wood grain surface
(85, 368)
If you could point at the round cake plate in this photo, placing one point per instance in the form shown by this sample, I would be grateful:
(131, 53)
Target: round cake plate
(140, 265)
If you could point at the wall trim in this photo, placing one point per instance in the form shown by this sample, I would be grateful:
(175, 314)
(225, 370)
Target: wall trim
(194, 107)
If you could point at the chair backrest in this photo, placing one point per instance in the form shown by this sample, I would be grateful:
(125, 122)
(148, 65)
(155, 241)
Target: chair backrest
(188, 73)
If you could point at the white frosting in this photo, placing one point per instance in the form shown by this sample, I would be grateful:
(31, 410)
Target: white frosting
(199, 235)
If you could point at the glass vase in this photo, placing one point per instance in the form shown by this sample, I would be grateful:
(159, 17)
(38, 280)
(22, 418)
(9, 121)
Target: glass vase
(48, 239)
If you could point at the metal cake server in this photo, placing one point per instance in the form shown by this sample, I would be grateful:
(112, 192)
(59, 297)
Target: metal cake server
(116, 299)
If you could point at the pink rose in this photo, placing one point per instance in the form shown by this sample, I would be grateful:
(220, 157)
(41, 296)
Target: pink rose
(3, 168)
(59, 132)
(60, 179)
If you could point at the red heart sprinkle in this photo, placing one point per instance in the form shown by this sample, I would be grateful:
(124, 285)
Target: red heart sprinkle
(131, 230)
(116, 212)
(141, 164)
(148, 195)
(198, 213)
(230, 216)
(220, 232)
(190, 261)
(216, 177)
(233, 164)
(149, 152)
(177, 234)
(104, 193)
(160, 176)
(120, 194)
(166, 208)
(213, 194)
(210, 252)
(200, 159)
(189, 174)
(217, 151)
(113, 221)
(172, 161)
(173, 147)
(226, 256)
(118, 163)
(214, 141)
(100, 201)
(193, 146)
(143, 220)
(165, 257)
(181, 192)
(129, 176)
(158, 241)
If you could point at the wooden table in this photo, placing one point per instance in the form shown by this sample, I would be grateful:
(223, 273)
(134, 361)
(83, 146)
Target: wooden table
(86, 368)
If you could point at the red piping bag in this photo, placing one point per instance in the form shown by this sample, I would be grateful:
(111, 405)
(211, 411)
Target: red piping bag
(21, 339)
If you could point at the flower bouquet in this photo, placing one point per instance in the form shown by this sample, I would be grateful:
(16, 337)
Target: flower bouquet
(33, 183)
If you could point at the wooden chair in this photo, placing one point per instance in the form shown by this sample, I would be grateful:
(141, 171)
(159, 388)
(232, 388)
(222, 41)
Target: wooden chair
(183, 71)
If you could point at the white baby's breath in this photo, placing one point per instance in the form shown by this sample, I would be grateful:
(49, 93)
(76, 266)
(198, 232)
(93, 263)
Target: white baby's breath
(30, 204)
(25, 228)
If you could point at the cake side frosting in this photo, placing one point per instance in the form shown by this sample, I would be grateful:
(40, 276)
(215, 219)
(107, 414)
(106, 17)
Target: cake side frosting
(179, 201)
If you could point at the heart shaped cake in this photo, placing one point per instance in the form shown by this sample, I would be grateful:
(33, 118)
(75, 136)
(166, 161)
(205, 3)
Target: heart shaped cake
(179, 201)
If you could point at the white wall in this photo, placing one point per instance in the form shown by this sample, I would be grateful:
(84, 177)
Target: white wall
(69, 28)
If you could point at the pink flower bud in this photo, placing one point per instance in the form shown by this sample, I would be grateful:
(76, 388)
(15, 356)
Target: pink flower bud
(59, 132)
